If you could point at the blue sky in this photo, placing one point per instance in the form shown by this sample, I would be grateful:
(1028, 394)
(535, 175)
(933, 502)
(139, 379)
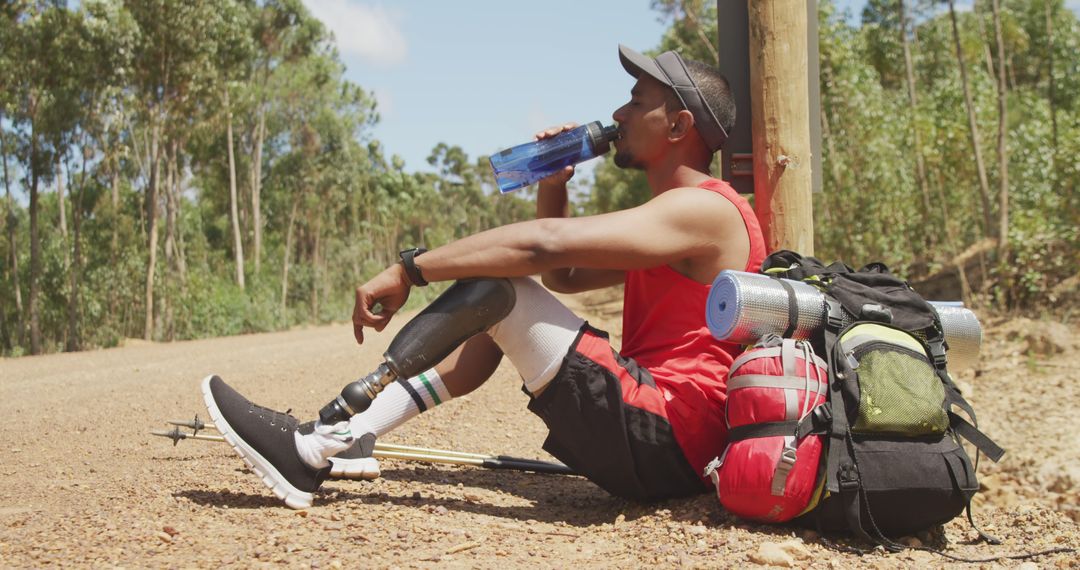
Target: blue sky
(487, 74)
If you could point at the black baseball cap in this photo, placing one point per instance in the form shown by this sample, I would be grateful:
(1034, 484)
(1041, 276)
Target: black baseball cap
(670, 69)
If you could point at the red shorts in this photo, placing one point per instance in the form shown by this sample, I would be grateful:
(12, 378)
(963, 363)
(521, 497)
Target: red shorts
(603, 421)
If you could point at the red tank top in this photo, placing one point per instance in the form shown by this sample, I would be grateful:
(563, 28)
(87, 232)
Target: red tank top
(664, 330)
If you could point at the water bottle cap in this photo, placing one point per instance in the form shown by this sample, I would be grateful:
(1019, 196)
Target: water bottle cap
(600, 137)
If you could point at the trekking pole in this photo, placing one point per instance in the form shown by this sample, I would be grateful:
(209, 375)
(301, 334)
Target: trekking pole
(404, 452)
(395, 451)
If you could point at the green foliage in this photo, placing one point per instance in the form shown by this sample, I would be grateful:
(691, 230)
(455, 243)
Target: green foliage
(118, 98)
(135, 90)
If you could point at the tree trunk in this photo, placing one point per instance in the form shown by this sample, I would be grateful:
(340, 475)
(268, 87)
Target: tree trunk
(706, 41)
(114, 188)
(973, 129)
(256, 189)
(238, 245)
(114, 246)
(74, 342)
(152, 229)
(1051, 95)
(170, 273)
(35, 245)
(781, 126)
(178, 198)
(285, 263)
(913, 110)
(1002, 151)
(61, 205)
(315, 252)
(13, 244)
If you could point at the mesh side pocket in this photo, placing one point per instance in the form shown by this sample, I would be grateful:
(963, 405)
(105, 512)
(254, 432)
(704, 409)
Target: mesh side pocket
(899, 393)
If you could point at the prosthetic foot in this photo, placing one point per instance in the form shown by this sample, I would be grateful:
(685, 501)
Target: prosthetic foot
(467, 308)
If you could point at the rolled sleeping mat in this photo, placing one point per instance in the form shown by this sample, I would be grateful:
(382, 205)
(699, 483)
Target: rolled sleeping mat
(744, 306)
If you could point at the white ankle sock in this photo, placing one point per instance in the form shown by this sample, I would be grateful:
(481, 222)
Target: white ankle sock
(325, 441)
(400, 402)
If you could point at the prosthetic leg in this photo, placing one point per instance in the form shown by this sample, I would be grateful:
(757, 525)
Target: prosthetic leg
(467, 308)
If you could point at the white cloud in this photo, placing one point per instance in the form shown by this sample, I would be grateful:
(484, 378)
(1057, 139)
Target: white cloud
(364, 30)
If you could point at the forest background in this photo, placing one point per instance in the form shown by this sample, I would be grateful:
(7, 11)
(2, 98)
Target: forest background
(196, 168)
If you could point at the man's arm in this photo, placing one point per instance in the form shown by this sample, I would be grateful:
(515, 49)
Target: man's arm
(552, 202)
(680, 224)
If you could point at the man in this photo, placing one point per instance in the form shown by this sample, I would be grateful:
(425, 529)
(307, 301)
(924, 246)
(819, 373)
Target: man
(641, 423)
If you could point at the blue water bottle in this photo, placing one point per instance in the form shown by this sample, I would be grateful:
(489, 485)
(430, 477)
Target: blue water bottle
(526, 163)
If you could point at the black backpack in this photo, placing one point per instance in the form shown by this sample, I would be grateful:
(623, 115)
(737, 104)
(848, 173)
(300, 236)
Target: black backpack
(894, 463)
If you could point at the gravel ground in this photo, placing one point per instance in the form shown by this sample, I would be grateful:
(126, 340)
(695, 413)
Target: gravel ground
(84, 485)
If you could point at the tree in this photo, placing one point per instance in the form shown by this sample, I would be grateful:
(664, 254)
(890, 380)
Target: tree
(973, 128)
(1003, 155)
(175, 49)
(913, 113)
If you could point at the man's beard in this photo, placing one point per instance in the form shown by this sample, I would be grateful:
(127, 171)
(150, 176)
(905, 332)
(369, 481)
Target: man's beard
(625, 159)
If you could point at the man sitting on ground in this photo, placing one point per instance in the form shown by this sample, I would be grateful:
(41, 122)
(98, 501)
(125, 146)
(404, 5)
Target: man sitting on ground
(641, 422)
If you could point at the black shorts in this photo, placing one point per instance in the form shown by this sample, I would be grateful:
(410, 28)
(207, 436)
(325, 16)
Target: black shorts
(595, 427)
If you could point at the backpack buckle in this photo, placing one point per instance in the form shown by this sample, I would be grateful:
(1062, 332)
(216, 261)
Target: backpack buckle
(848, 477)
(937, 352)
(834, 315)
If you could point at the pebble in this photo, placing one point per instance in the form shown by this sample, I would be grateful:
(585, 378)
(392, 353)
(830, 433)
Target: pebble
(697, 530)
(441, 510)
(796, 549)
(164, 537)
(771, 554)
(462, 547)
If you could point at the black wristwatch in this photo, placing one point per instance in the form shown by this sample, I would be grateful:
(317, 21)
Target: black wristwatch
(408, 261)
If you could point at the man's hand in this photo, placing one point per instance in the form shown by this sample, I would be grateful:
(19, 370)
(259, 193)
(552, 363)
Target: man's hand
(559, 179)
(389, 289)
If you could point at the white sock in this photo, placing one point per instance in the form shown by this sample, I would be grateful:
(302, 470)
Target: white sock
(400, 402)
(537, 333)
(315, 447)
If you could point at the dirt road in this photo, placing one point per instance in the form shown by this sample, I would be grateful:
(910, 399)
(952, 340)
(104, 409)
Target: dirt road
(84, 484)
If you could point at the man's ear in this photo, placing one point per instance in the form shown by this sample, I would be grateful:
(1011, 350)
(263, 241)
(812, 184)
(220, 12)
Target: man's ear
(682, 125)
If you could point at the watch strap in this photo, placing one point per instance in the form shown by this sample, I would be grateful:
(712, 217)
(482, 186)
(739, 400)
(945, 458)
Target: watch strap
(408, 261)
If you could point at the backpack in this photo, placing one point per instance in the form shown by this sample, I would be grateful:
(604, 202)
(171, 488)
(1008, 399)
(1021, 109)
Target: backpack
(893, 463)
(771, 478)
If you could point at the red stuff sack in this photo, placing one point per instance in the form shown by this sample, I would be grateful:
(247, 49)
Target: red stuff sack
(766, 473)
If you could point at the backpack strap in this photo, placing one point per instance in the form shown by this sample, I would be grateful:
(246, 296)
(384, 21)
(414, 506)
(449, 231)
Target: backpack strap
(976, 437)
(815, 422)
(842, 476)
(792, 307)
(959, 425)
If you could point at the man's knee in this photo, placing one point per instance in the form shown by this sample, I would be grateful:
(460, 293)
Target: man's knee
(537, 334)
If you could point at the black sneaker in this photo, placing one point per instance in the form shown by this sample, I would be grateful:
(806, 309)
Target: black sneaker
(356, 462)
(265, 439)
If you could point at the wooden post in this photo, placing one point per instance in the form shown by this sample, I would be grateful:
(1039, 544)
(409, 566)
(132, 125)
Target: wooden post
(780, 123)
